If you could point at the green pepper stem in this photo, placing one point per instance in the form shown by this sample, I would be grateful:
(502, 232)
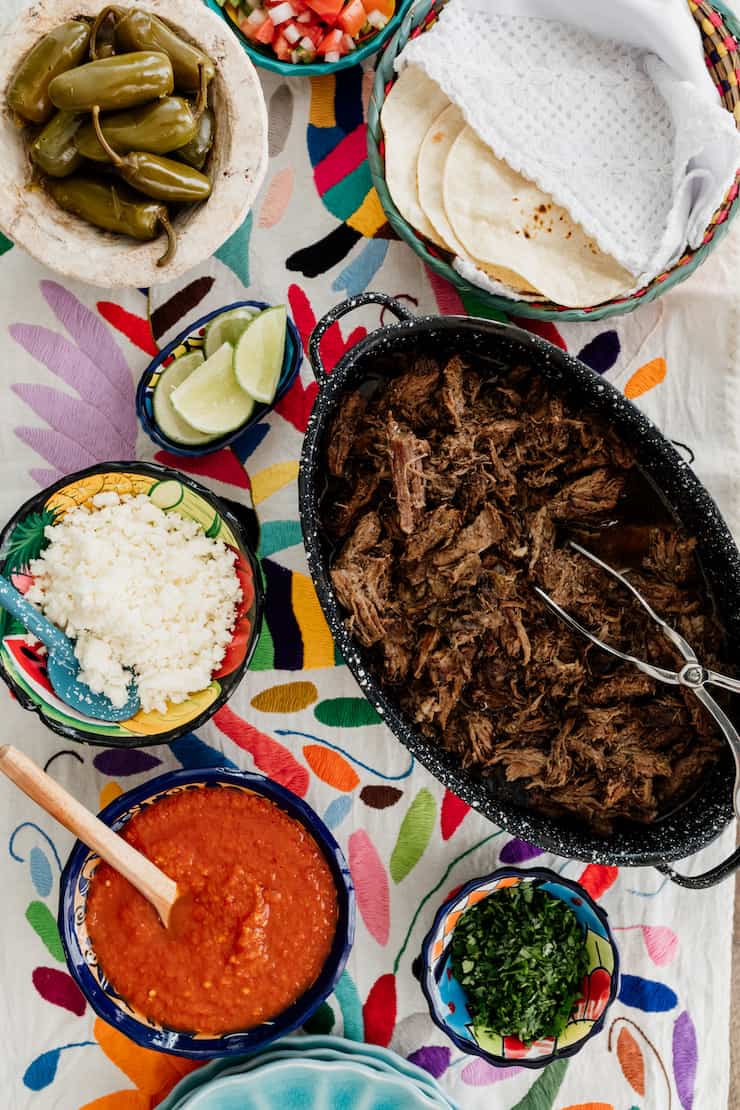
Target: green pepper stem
(109, 9)
(202, 101)
(112, 155)
(169, 254)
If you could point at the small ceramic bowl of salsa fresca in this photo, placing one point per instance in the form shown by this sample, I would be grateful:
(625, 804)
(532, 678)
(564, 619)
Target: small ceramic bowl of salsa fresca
(268, 929)
(473, 963)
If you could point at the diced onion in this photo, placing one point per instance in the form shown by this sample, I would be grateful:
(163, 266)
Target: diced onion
(257, 17)
(304, 17)
(292, 34)
(377, 20)
(348, 43)
(332, 56)
(308, 45)
(281, 12)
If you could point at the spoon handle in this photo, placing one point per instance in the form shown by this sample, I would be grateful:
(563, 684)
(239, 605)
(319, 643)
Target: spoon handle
(14, 601)
(156, 887)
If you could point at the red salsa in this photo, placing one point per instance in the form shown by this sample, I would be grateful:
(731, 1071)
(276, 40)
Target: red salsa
(261, 923)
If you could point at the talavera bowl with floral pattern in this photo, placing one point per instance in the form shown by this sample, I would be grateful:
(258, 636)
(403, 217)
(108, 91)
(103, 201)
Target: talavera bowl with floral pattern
(23, 667)
(447, 1001)
(99, 991)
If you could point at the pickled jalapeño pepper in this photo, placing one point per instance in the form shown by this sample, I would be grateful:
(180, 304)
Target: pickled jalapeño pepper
(158, 128)
(55, 151)
(140, 30)
(61, 50)
(107, 84)
(114, 208)
(163, 178)
(197, 149)
(102, 35)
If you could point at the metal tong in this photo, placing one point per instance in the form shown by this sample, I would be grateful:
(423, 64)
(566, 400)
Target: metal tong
(692, 675)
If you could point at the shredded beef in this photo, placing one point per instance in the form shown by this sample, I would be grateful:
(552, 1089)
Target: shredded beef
(407, 453)
(344, 429)
(451, 494)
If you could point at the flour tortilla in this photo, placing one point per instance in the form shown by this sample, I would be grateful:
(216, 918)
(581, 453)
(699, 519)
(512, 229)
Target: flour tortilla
(433, 153)
(505, 219)
(410, 108)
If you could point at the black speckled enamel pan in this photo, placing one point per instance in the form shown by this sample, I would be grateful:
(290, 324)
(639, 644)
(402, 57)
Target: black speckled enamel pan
(703, 817)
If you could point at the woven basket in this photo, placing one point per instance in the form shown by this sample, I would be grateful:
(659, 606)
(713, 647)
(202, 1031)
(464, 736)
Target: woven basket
(720, 32)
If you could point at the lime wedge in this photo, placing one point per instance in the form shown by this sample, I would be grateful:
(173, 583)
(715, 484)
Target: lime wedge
(211, 399)
(259, 354)
(165, 416)
(227, 328)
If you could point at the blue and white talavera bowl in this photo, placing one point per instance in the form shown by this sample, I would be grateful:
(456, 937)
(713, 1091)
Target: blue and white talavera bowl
(191, 339)
(448, 1002)
(102, 996)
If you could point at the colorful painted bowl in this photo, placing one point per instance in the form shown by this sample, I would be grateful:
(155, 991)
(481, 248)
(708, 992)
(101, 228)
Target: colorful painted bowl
(190, 340)
(81, 959)
(448, 1003)
(22, 539)
(263, 55)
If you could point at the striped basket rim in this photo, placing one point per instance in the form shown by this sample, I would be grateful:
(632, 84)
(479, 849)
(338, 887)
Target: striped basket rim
(720, 31)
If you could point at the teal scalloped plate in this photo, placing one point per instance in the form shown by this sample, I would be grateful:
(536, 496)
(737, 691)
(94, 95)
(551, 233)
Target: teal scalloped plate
(317, 1047)
(302, 1082)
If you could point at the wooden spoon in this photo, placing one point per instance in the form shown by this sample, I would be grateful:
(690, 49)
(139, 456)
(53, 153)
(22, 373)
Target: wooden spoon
(156, 887)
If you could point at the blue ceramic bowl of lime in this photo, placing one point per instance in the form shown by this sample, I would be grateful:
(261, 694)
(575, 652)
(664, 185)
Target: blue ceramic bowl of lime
(265, 57)
(191, 339)
(23, 668)
(448, 1003)
(99, 992)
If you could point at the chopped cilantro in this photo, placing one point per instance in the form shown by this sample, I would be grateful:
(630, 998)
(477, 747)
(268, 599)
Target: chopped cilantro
(520, 957)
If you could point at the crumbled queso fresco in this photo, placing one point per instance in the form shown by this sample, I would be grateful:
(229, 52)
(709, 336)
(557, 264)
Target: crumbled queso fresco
(138, 588)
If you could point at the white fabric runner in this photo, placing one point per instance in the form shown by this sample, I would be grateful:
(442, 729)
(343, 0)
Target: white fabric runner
(680, 359)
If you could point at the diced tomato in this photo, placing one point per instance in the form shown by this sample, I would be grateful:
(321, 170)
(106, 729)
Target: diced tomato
(282, 48)
(265, 33)
(387, 7)
(353, 17)
(331, 43)
(249, 29)
(300, 6)
(327, 9)
(312, 31)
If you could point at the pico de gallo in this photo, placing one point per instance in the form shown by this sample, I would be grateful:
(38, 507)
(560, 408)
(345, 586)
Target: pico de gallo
(302, 31)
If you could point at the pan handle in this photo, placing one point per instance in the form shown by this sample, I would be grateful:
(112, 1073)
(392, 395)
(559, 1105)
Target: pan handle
(708, 878)
(319, 370)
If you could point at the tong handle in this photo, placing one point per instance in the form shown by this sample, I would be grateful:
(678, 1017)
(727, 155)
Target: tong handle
(659, 673)
(714, 678)
(731, 735)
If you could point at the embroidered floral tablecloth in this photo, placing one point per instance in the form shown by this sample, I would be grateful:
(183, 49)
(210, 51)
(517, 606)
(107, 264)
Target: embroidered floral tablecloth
(71, 358)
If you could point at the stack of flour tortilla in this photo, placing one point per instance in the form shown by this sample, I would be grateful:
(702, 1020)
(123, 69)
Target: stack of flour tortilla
(455, 192)
(559, 150)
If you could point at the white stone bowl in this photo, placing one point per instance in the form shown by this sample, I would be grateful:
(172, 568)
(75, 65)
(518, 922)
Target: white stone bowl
(237, 165)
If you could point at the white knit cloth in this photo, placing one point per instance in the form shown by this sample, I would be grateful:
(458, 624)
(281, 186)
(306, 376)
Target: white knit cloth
(635, 144)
